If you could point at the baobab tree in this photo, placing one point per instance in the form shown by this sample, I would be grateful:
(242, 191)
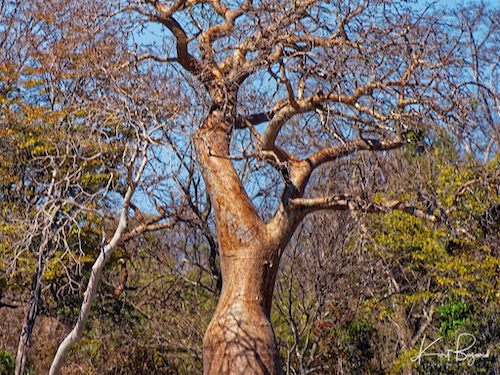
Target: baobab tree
(308, 83)
(292, 88)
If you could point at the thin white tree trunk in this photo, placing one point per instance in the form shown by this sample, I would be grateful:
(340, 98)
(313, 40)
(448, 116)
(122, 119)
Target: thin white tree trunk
(76, 333)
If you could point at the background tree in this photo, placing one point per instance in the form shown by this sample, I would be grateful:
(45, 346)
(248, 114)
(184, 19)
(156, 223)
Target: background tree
(67, 159)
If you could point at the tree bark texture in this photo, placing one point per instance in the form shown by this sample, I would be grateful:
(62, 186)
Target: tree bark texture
(239, 339)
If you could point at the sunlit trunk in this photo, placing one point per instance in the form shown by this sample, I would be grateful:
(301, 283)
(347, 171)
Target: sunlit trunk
(239, 339)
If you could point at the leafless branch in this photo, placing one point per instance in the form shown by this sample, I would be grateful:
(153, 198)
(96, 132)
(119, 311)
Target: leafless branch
(349, 203)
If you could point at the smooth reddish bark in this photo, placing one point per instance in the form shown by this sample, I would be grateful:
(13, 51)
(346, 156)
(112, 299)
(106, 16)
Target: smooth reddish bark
(239, 339)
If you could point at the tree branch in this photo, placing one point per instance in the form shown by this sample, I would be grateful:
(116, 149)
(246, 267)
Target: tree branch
(165, 17)
(216, 31)
(289, 109)
(151, 225)
(333, 153)
(355, 203)
(242, 122)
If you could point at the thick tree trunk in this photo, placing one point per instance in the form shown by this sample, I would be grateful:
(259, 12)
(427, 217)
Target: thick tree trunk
(239, 339)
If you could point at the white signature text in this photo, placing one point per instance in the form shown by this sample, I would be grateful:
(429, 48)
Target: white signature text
(465, 342)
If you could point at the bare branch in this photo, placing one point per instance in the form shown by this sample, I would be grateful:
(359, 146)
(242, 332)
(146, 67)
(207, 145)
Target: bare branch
(348, 148)
(165, 17)
(253, 119)
(355, 203)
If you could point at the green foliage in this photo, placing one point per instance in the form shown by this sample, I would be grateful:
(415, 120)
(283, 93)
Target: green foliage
(454, 314)
(427, 262)
(416, 142)
(7, 363)
(359, 334)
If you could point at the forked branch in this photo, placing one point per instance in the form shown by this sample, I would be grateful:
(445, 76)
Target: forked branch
(164, 16)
